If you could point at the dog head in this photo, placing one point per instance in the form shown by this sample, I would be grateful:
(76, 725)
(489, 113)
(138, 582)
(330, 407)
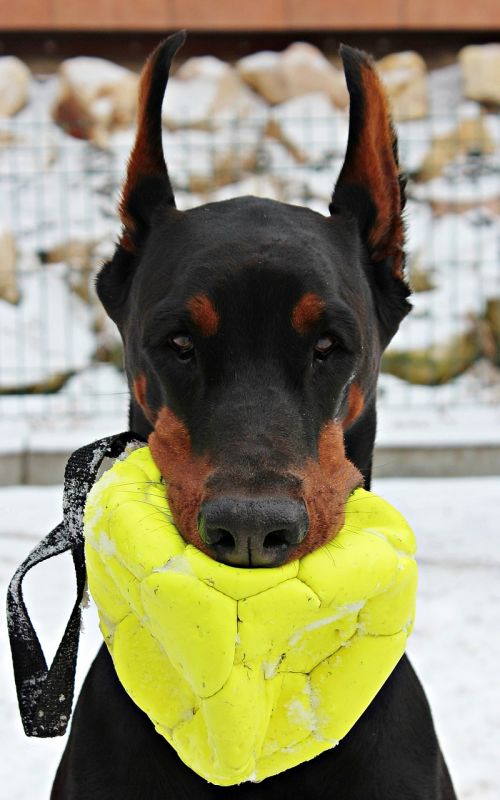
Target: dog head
(253, 332)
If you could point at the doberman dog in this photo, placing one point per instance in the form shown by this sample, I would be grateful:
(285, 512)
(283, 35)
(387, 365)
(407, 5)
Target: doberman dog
(253, 332)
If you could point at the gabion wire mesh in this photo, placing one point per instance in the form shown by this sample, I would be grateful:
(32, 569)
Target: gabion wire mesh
(60, 355)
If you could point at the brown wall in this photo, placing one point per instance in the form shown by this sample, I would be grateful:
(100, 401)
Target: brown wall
(234, 15)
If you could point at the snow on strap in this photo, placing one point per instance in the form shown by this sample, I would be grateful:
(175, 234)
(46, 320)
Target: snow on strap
(45, 693)
(246, 672)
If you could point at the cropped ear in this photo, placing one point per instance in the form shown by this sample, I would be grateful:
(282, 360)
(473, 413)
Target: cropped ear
(370, 186)
(147, 184)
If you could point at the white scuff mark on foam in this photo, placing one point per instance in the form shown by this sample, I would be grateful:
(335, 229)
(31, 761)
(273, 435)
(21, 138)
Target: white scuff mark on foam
(290, 749)
(106, 545)
(401, 553)
(108, 478)
(179, 564)
(270, 668)
(351, 608)
(299, 714)
(93, 520)
(319, 738)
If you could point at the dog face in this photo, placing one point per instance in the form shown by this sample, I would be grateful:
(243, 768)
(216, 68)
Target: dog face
(253, 332)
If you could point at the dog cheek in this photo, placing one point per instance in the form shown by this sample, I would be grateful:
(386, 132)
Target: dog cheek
(327, 482)
(355, 406)
(185, 474)
(139, 388)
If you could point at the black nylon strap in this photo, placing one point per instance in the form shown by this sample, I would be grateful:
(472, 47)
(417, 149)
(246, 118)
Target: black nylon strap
(45, 694)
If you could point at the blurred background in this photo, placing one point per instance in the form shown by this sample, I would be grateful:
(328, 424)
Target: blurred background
(257, 104)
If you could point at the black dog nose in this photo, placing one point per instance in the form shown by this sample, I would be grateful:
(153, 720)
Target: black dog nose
(252, 532)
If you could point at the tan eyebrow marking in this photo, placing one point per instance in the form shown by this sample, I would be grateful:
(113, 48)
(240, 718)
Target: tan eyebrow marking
(307, 312)
(203, 314)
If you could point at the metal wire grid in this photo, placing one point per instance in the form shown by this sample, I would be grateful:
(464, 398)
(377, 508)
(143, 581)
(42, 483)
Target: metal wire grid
(58, 201)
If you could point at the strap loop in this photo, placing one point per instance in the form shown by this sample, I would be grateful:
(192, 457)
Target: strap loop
(45, 694)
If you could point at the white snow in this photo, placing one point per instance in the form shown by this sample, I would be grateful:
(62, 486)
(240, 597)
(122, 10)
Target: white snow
(311, 126)
(455, 647)
(460, 253)
(207, 92)
(89, 72)
(445, 90)
(266, 59)
(259, 185)
(419, 424)
(313, 184)
(207, 66)
(92, 404)
(197, 157)
(189, 102)
(476, 189)
(47, 333)
(306, 55)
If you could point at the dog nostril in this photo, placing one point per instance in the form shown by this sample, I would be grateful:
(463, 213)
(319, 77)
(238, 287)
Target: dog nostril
(222, 539)
(276, 540)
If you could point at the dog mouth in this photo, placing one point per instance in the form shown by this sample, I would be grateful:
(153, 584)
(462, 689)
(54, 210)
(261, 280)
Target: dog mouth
(279, 515)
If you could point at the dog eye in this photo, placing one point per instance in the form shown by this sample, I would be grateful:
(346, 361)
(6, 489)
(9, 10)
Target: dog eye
(324, 346)
(182, 344)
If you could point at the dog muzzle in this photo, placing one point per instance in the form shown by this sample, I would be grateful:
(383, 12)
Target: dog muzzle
(246, 672)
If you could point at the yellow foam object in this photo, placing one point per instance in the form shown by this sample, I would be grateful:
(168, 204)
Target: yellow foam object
(246, 672)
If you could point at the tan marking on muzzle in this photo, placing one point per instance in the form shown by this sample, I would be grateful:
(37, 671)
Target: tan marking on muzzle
(327, 483)
(185, 473)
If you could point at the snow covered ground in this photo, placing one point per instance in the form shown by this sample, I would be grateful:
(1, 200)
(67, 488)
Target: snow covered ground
(455, 646)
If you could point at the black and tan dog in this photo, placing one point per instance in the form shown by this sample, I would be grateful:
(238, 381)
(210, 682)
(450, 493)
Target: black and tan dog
(253, 332)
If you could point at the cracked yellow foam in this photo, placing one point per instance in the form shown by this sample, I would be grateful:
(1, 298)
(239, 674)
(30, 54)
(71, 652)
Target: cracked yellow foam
(246, 672)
